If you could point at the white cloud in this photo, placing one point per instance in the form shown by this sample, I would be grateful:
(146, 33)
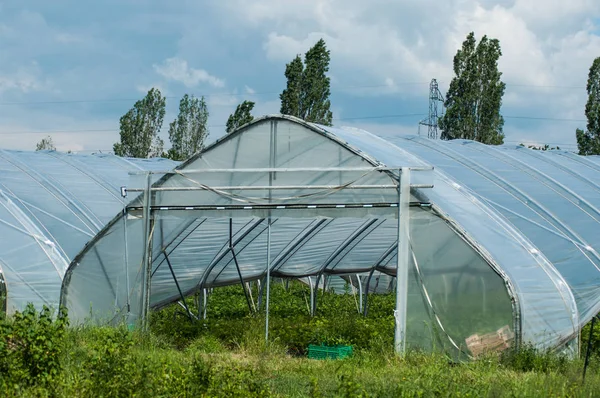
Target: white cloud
(548, 45)
(249, 90)
(178, 69)
(387, 50)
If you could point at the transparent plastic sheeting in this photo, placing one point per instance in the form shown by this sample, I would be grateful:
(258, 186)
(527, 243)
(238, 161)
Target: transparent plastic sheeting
(51, 205)
(522, 227)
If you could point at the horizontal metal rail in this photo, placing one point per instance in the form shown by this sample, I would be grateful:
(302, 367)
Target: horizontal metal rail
(274, 187)
(278, 207)
(278, 170)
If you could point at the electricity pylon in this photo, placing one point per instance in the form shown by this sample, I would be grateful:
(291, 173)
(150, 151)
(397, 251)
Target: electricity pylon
(435, 97)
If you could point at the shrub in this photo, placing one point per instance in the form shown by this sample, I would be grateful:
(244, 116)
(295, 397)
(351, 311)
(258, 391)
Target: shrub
(31, 344)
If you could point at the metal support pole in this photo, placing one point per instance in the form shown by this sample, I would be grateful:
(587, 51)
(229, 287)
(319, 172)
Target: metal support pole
(261, 293)
(260, 286)
(126, 257)
(403, 259)
(368, 285)
(268, 282)
(315, 292)
(360, 294)
(237, 265)
(312, 294)
(589, 346)
(178, 287)
(205, 303)
(147, 262)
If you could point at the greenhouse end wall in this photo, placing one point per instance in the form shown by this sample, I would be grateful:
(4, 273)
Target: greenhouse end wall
(455, 295)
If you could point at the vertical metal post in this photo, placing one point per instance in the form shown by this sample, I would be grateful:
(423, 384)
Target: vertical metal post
(268, 283)
(368, 286)
(204, 303)
(403, 259)
(272, 176)
(312, 294)
(147, 269)
(313, 309)
(360, 294)
(125, 213)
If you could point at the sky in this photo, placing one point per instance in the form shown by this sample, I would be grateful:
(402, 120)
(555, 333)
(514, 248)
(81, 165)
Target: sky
(70, 69)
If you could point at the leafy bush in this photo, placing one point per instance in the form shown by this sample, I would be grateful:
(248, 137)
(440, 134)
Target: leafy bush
(30, 347)
(585, 335)
(225, 355)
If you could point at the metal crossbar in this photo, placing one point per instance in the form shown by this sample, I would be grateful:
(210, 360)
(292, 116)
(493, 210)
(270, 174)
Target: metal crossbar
(279, 170)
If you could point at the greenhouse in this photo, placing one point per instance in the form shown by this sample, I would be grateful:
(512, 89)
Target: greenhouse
(491, 246)
(51, 205)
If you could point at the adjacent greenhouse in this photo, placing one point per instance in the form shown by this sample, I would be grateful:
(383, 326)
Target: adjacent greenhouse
(51, 205)
(491, 246)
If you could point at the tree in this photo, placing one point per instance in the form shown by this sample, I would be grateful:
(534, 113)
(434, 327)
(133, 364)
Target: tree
(588, 141)
(475, 95)
(140, 126)
(241, 116)
(308, 88)
(45, 144)
(188, 132)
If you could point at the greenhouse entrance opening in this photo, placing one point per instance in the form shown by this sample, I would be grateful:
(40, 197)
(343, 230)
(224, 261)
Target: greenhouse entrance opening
(266, 225)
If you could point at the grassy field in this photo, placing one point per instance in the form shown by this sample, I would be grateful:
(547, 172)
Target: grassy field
(227, 356)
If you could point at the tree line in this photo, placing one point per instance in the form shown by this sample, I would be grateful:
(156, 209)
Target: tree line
(473, 103)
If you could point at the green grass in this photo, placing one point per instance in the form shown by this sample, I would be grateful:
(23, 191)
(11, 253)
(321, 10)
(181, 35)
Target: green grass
(227, 356)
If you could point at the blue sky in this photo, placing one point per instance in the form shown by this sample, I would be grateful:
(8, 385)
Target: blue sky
(71, 68)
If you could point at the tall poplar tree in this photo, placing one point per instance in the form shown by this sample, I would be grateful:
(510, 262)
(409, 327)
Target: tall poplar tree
(189, 130)
(588, 141)
(475, 95)
(140, 126)
(241, 116)
(308, 87)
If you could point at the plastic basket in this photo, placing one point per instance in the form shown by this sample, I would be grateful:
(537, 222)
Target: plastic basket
(329, 352)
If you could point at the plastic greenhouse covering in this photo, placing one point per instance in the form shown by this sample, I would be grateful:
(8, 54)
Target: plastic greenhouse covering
(501, 243)
(51, 205)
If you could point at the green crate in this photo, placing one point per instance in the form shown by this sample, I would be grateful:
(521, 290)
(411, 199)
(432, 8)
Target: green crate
(329, 352)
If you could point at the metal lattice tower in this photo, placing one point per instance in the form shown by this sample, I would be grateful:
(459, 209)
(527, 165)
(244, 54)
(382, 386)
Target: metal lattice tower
(435, 97)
